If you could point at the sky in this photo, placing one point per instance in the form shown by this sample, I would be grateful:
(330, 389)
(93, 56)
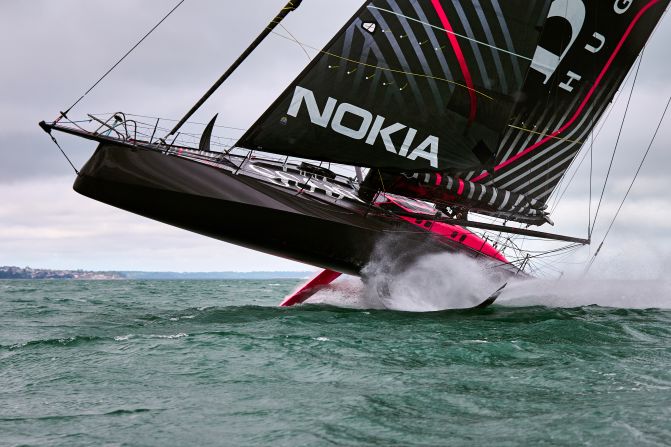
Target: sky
(53, 51)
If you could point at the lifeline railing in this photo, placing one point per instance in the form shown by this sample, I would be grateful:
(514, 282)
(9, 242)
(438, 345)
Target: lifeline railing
(147, 130)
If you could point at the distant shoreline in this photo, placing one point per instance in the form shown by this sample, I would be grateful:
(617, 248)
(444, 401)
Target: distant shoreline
(28, 273)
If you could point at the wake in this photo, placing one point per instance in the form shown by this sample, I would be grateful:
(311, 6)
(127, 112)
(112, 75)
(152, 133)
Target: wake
(451, 281)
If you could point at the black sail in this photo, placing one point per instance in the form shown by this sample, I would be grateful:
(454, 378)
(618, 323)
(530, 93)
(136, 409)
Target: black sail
(585, 51)
(409, 85)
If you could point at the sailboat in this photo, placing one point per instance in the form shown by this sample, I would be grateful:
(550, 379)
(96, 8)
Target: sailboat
(441, 125)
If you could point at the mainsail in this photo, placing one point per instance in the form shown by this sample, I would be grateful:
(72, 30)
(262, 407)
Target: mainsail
(408, 85)
(495, 98)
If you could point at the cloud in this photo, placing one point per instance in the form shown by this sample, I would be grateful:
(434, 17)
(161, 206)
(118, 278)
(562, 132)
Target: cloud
(47, 224)
(68, 44)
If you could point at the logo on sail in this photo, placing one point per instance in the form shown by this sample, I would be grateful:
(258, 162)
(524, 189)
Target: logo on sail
(369, 26)
(369, 128)
(573, 11)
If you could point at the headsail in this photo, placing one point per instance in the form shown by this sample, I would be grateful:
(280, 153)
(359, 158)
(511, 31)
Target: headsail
(586, 49)
(409, 85)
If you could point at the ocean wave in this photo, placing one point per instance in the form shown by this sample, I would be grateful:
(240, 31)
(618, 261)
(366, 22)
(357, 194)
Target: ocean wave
(150, 336)
(58, 342)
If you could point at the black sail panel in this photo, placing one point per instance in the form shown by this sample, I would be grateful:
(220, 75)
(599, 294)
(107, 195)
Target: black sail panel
(585, 51)
(409, 85)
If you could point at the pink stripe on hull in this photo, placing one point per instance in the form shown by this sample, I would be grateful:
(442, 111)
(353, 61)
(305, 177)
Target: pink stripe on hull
(454, 233)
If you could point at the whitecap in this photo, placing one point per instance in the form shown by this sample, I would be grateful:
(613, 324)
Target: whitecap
(123, 337)
(170, 337)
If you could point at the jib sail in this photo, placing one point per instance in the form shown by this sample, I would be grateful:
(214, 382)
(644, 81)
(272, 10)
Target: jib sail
(409, 85)
(585, 50)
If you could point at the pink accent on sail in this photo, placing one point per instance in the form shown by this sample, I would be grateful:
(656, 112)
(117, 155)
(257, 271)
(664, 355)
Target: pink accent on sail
(578, 112)
(460, 57)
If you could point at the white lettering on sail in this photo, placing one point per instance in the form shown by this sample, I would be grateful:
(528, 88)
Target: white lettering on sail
(319, 118)
(601, 39)
(431, 144)
(371, 127)
(357, 134)
(385, 133)
(573, 11)
(407, 143)
(375, 131)
(622, 6)
(566, 85)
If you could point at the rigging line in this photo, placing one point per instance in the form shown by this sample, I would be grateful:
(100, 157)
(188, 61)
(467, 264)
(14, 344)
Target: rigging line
(63, 152)
(293, 37)
(125, 56)
(562, 249)
(604, 121)
(591, 174)
(169, 119)
(543, 134)
(149, 126)
(450, 32)
(76, 124)
(617, 142)
(377, 67)
(617, 98)
(561, 255)
(638, 171)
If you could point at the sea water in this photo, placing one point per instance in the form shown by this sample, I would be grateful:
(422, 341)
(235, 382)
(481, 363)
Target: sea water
(174, 363)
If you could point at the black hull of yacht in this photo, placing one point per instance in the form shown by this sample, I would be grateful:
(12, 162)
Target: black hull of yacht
(243, 210)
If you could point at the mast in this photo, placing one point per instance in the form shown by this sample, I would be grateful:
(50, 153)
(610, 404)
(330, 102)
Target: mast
(292, 5)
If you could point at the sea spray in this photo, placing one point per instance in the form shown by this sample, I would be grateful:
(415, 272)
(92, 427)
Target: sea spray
(408, 280)
(573, 292)
(432, 283)
(428, 287)
(442, 281)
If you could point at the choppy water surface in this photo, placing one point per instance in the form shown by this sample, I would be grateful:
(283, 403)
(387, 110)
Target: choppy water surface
(216, 363)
